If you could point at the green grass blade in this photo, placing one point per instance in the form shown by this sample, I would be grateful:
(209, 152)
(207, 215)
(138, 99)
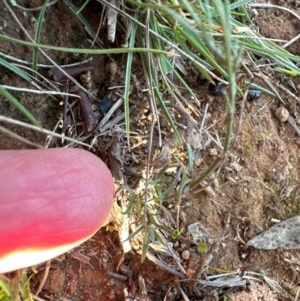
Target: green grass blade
(149, 235)
(84, 51)
(206, 173)
(127, 82)
(167, 114)
(37, 35)
(238, 4)
(83, 20)
(15, 69)
(149, 5)
(4, 288)
(19, 106)
(190, 157)
(136, 232)
(82, 7)
(25, 288)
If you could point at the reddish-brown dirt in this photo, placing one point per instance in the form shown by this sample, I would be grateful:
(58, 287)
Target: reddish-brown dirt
(257, 182)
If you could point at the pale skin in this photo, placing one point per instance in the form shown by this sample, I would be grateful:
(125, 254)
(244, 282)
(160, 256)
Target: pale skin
(50, 201)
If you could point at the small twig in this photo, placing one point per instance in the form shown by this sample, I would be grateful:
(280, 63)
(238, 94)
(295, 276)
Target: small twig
(49, 139)
(293, 124)
(38, 91)
(87, 112)
(18, 137)
(165, 267)
(37, 298)
(114, 121)
(265, 5)
(184, 296)
(59, 76)
(231, 282)
(115, 107)
(291, 41)
(297, 295)
(241, 114)
(35, 128)
(166, 248)
(204, 118)
(35, 8)
(64, 117)
(46, 272)
(142, 285)
(117, 275)
(237, 229)
(35, 79)
(12, 58)
(287, 91)
(81, 257)
(120, 261)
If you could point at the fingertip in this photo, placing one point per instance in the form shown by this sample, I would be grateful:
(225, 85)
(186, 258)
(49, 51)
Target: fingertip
(51, 198)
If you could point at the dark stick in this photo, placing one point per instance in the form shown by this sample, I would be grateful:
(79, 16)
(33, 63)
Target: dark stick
(59, 76)
(65, 114)
(87, 111)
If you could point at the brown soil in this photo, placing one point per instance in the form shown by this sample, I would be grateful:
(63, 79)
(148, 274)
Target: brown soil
(256, 183)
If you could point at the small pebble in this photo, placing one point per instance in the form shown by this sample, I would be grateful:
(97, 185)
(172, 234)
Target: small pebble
(113, 68)
(213, 152)
(282, 114)
(72, 288)
(185, 254)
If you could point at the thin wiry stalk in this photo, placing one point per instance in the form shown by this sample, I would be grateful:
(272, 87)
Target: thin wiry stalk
(37, 35)
(33, 8)
(41, 130)
(128, 81)
(18, 137)
(19, 106)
